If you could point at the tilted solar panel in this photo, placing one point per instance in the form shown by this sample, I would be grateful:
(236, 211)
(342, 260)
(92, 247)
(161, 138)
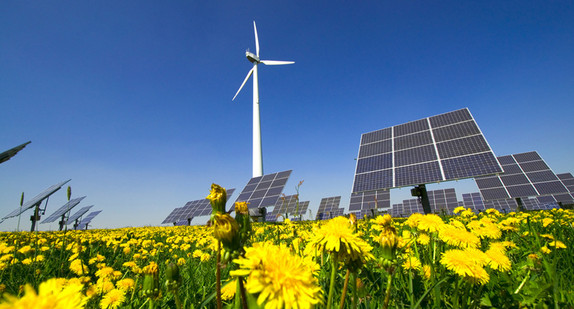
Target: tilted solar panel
(449, 146)
(64, 209)
(78, 214)
(378, 199)
(84, 223)
(264, 191)
(36, 200)
(525, 174)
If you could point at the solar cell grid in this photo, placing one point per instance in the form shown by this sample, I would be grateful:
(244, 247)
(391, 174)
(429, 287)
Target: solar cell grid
(264, 191)
(525, 174)
(369, 200)
(406, 154)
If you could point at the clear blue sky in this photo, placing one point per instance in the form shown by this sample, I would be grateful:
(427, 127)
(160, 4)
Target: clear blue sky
(132, 99)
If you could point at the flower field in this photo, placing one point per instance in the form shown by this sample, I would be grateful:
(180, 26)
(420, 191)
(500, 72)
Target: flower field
(485, 260)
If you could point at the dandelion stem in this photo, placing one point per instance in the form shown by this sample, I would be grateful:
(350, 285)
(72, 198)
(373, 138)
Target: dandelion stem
(218, 276)
(522, 283)
(354, 285)
(332, 284)
(388, 290)
(345, 289)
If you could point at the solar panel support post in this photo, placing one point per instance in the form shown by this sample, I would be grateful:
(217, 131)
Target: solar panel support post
(519, 205)
(421, 192)
(35, 217)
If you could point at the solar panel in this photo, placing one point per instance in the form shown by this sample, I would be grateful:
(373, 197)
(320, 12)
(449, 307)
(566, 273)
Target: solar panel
(36, 200)
(64, 209)
(288, 205)
(172, 217)
(525, 174)
(264, 191)
(78, 214)
(84, 223)
(443, 200)
(192, 209)
(8, 154)
(327, 206)
(370, 200)
(476, 202)
(449, 146)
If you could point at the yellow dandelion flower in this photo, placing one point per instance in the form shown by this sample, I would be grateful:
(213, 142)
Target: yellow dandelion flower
(465, 265)
(78, 267)
(430, 223)
(280, 279)
(426, 271)
(104, 285)
(545, 250)
(228, 290)
(556, 244)
(105, 272)
(126, 284)
(27, 261)
(26, 249)
(412, 262)
(498, 260)
(180, 262)
(547, 221)
(485, 228)
(113, 299)
(458, 209)
(51, 294)
(337, 236)
(458, 237)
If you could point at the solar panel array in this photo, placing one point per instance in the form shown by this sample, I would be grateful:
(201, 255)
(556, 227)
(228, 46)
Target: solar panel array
(378, 199)
(264, 191)
(78, 214)
(449, 146)
(36, 200)
(329, 208)
(287, 207)
(407, 208)
(63, 210)
(525, 174)
(84, 223)
(568, 181)
(443, 200)
(193, 209)
(475, 201)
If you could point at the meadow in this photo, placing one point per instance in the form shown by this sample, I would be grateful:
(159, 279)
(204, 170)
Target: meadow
(468, 260)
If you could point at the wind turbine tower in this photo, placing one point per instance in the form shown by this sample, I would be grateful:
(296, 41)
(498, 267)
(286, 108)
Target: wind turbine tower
(254, 58)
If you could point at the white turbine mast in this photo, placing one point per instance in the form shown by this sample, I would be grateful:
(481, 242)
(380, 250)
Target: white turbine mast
(254, 58)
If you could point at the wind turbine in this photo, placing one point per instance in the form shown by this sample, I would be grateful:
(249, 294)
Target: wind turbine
(254, 58)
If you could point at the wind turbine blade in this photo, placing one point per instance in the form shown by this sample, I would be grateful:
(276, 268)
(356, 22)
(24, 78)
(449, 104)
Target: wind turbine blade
(256, 39)
(275, 62)
(244, 81)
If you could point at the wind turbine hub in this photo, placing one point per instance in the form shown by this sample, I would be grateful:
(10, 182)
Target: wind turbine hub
(252, 57)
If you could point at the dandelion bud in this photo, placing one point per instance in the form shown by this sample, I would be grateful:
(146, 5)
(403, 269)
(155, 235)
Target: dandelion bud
(173, 278)
(388, 241)
(353, 219)
(151, 281)
(226, 230)
(217, 197)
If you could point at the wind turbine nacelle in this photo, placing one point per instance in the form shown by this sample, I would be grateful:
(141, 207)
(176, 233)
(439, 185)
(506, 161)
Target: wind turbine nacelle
(252, 57)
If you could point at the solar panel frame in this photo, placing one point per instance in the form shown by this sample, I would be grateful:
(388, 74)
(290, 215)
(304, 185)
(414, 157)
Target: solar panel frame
(63, 210)
(36, 200)
(444, 147)
(525, 175)
(327, 205)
